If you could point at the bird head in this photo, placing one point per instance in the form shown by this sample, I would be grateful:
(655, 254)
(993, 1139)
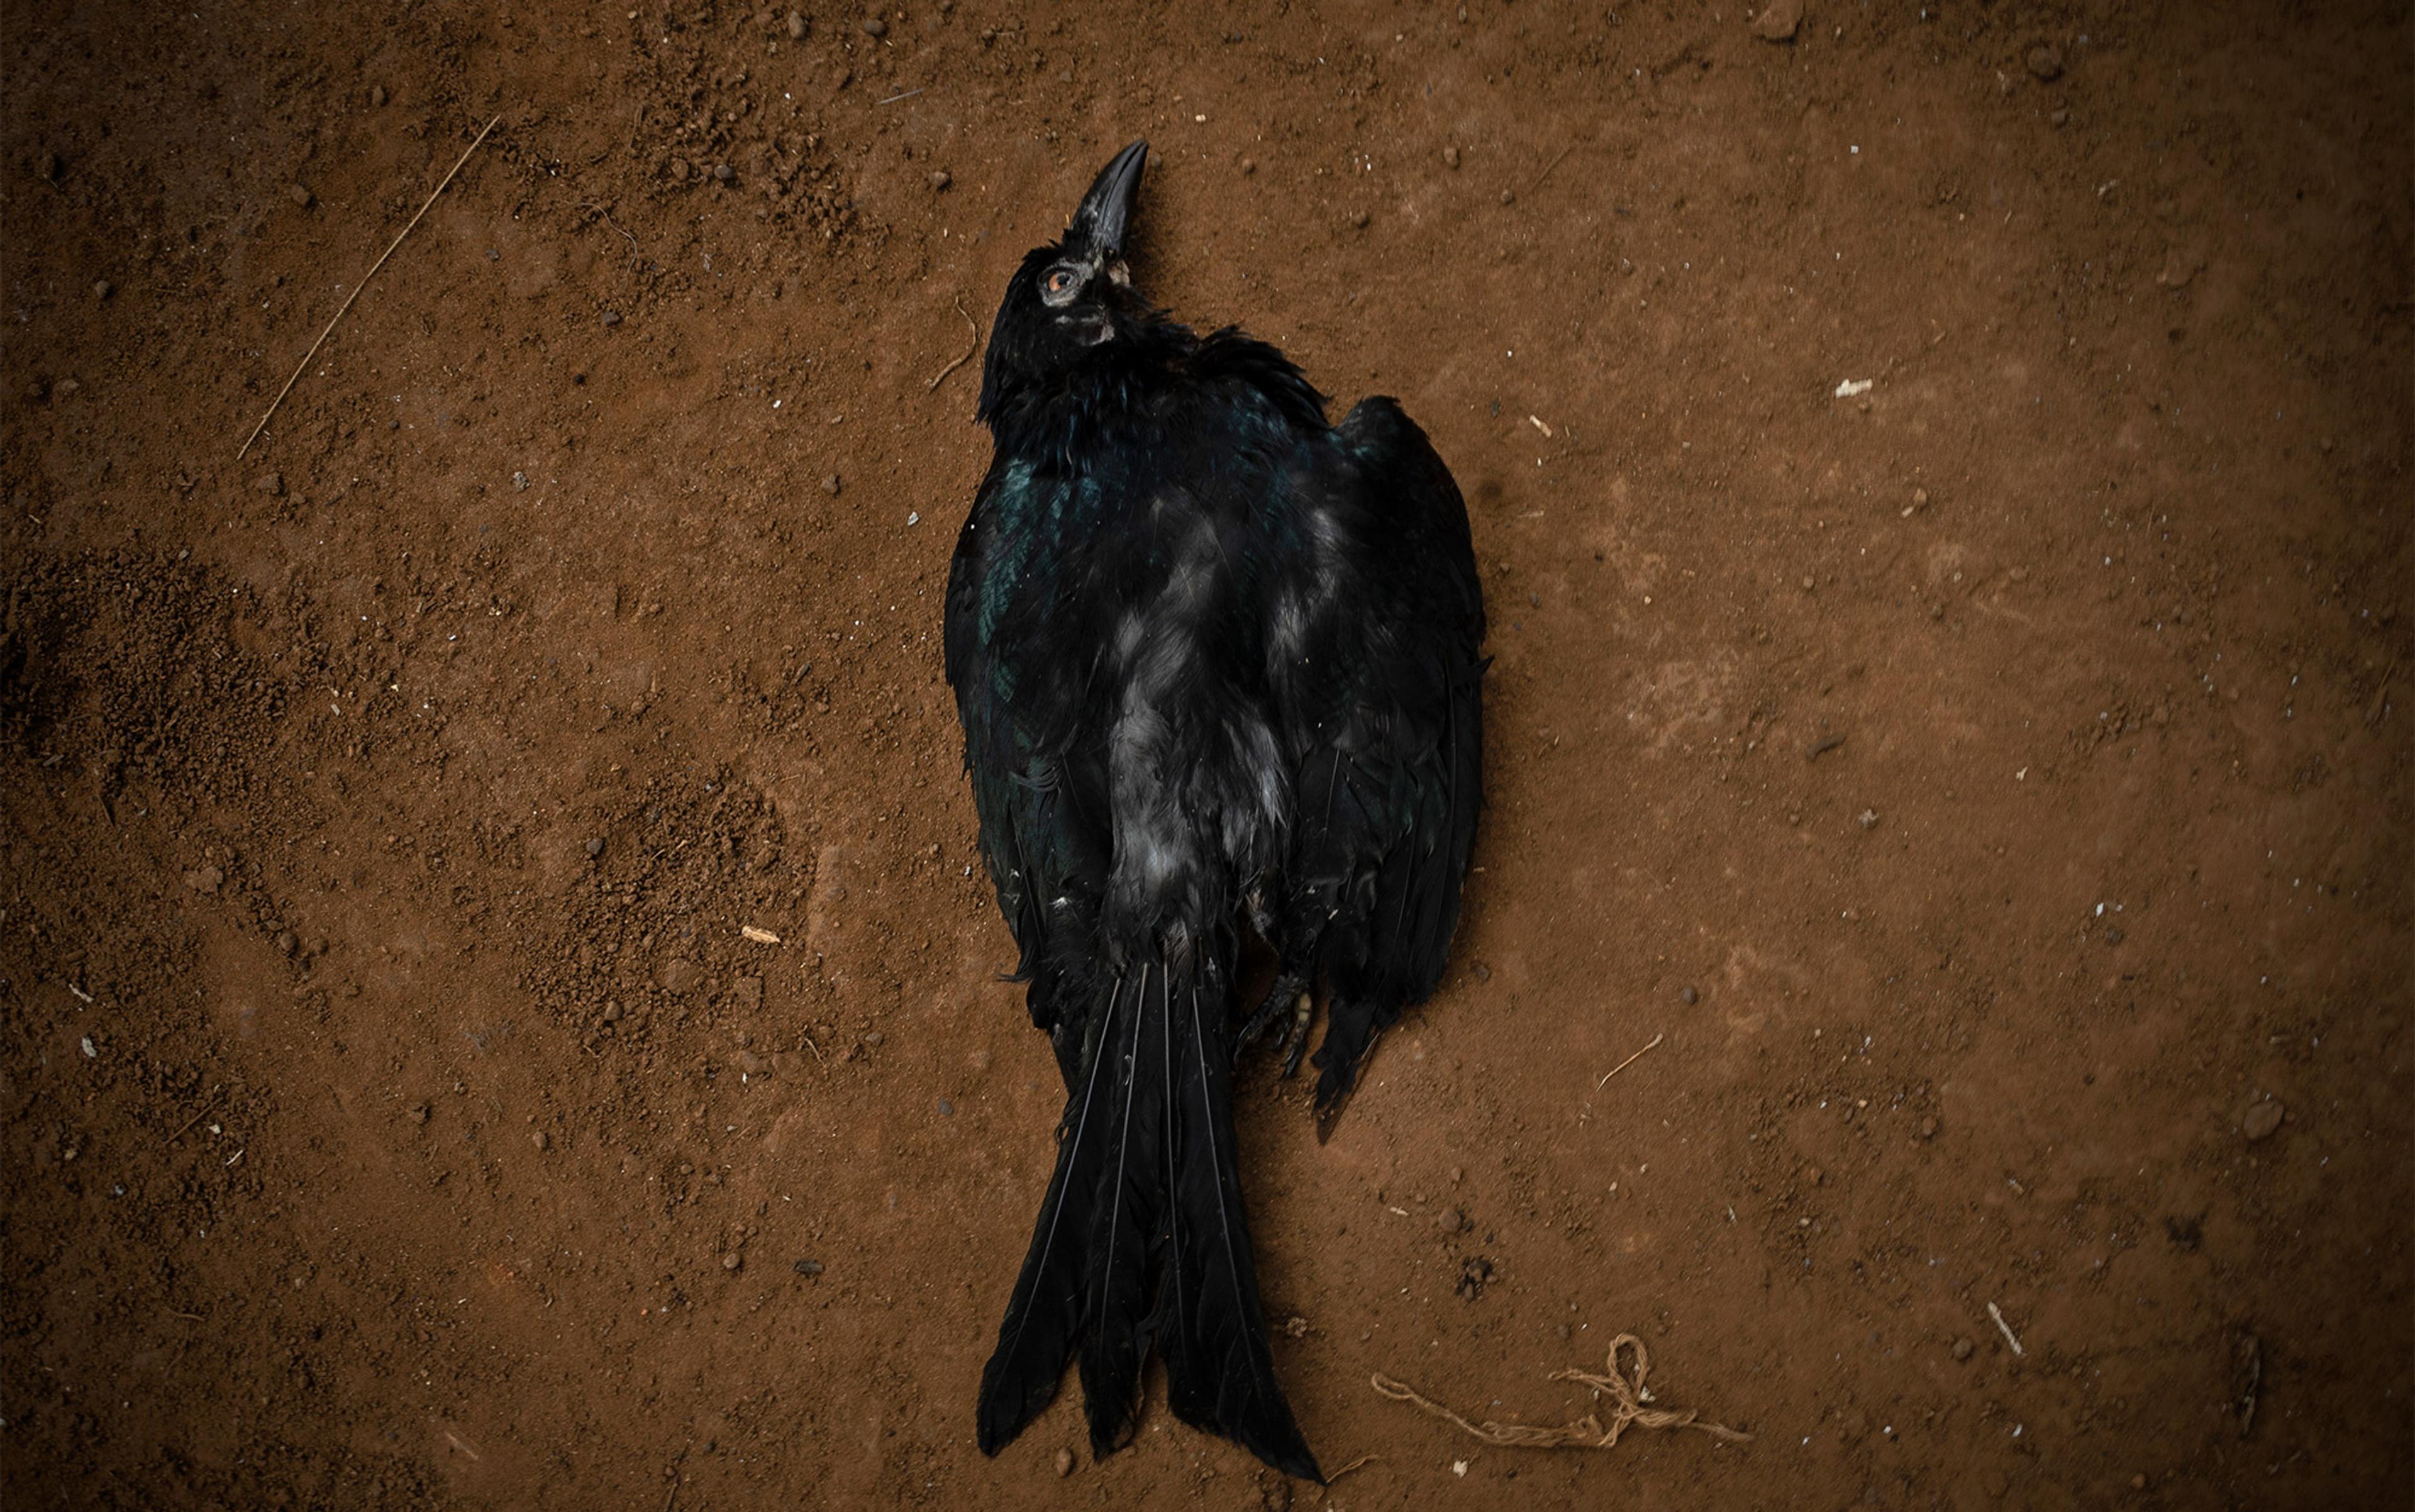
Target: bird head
(1074, 295)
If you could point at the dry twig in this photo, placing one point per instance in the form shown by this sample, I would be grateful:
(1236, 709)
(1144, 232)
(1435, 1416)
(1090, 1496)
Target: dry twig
(1624, 1064)
(975, 329)
(1628, 1396)
(357, 292)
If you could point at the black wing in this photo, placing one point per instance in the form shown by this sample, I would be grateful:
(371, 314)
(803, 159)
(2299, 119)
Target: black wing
(1045, 834)
(1376, 667)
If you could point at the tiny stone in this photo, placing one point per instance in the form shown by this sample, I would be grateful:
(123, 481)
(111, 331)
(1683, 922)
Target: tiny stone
(611, 317)
(1508, 197)
(1450, 156)
(753, 1064)
(2114, 936)
(2262, 1120)
(377, 94)
(679, 169)
(875, 26)
(831, 485)
(796, 25)
(1927, 1130)
(2046, 62)
(1359, 218)
(300, 194)
(47, 166)
(271, 484)
(729, 1261)
(947, 1109)
(2138, 1481)
(1868, 818)
(540, 1139)
(102, 289)
(726, 173)
(612, 1012)
(873, 1038)
(808, 1267)
(1483, 972)
(1963, 1348)
(2061, 116)
(286, 943)
(1249, 165)
(419, 1112)
(1779, 21)
(595, 847)
(1064, 1462)
(1689, 996)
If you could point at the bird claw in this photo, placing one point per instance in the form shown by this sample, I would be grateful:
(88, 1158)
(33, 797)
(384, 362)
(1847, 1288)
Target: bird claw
(1287, 991)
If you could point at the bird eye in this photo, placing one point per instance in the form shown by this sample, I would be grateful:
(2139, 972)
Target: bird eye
(1059, 281)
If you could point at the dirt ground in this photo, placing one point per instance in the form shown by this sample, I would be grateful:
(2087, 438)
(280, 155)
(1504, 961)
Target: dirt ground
(1981, 794)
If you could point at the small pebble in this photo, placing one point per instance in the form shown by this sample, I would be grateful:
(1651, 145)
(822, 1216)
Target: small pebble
(873, 1038)
(2061, 116)
(541, 1139)
(1926, 1130)
(679, 169)
(2046, 62)
(419, 1112)
(2114, 936)
(808, 1267)
(797, 25)
(47, 166)
(1483, 972)
(611, 317)
(102, 289)
(300, 194)
(1779, 21)
(1963, 1349)
(831, 485)
(1508, 197)
(2262, 1120)
(377, 94)
(271, 484)
(1689, 996)
(729, 1261)
(1249, 165)
(286, 943)
(595, 847)
(1450, 156)
(612, 1012)
(2139, 1482)
(726, 173)
(1868, 818)
(875, 26)
(1064, 1462)
(1359, 218)
(947, 1109)
(939, 181)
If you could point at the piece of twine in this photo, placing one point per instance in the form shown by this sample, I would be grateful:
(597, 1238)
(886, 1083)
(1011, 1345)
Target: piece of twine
(1627, 1407)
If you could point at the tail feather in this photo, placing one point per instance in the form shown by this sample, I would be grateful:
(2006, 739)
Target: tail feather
(1045, 1317)
(1125, 1230)
(1141, 1243)
(1220, 1372)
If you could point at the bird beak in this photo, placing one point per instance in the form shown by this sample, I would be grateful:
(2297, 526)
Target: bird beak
(1105, 215)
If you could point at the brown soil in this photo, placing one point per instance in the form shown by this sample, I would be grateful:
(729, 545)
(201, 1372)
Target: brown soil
(394, 1114)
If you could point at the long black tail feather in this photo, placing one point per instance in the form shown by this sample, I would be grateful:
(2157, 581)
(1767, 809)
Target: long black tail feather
(1141, 1243)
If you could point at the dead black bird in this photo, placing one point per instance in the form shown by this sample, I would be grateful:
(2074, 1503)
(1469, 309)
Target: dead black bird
(1217, 663)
